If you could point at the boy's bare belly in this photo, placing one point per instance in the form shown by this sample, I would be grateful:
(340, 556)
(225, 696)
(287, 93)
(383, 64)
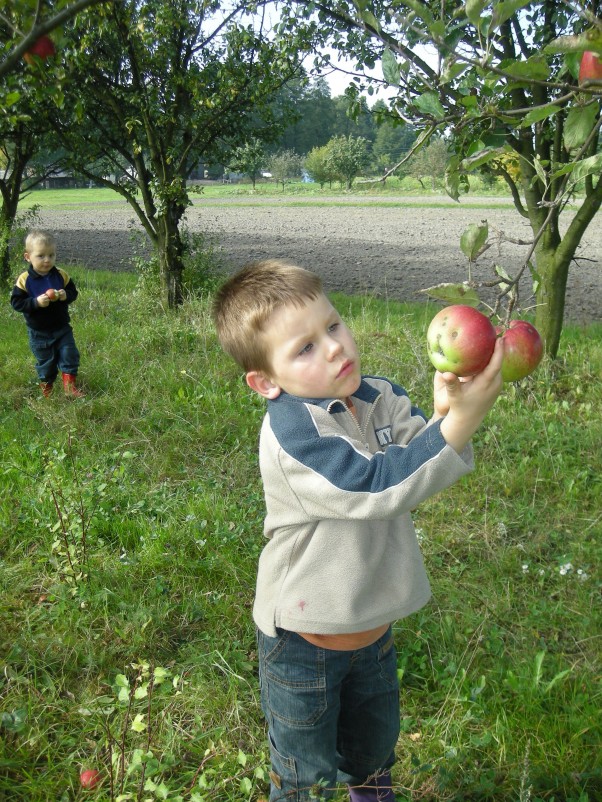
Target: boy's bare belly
(346, 642)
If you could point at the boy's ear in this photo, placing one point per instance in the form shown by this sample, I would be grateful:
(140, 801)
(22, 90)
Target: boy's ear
(262, 385)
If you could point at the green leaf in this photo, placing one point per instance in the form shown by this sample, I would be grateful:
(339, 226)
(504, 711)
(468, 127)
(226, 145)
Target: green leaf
(473, 239)
(582, 168)
(535, 67)
(539, 658)
(474, 9)
(451, 70)
(138, 724)
(454, 294)
(390, 68)
(429, 103)
(589, 40)
(539, 113)
(506, 9)
(10, 99)
(480, 158)
(579, 123)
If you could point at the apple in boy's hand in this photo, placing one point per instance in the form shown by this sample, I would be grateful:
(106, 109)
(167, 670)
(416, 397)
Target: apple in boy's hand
(90, 778)
(591, 67)
(460, 340)
(42, 47)
(52, 294)
(523, 350)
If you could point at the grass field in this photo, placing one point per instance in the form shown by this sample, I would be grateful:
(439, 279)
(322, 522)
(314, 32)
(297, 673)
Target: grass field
(131, 524)
(396, 191)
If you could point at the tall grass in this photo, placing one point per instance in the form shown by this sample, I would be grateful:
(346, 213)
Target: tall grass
(131, 523)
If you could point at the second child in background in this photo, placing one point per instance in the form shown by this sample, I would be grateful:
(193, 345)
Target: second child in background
(43, 294)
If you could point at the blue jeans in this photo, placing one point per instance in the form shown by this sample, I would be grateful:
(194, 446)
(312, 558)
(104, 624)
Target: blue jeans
(54, 351)
(333, 716)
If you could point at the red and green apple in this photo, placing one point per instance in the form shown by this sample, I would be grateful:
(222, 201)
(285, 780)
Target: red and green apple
(460, 340)
(523, 350)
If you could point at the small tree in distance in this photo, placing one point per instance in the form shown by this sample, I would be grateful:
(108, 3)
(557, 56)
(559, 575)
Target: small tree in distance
(286, 166)
(430, 162)
(347, 155)
(318, 167)
(249, 159)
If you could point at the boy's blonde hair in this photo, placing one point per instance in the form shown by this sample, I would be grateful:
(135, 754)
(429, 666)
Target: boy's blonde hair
(37, 235)
(245, 303)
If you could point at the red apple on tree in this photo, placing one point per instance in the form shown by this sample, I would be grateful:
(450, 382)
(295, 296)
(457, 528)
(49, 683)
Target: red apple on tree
(90, 778)
(42, 47)
(591, 67)
(523, 350)
(460, 340)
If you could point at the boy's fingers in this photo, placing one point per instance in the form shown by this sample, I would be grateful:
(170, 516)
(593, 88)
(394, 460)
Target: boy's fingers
(495, 363)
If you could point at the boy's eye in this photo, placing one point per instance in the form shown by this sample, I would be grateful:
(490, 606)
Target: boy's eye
(306, 349)
(334, 326)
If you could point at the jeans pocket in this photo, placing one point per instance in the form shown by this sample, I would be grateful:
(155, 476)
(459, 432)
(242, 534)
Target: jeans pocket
(293, 682)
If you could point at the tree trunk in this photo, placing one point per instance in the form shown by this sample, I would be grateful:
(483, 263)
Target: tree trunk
(553, 272)
(170, 249)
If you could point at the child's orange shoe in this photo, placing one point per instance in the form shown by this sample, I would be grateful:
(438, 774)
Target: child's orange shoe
(69, 386)
(46, 388)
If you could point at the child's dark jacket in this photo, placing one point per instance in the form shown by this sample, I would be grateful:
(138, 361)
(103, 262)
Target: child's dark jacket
(29, 285)
(342, 554)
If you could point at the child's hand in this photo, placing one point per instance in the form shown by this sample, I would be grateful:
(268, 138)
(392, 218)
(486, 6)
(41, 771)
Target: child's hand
(43, 300)
(61, 295)
(468, 400)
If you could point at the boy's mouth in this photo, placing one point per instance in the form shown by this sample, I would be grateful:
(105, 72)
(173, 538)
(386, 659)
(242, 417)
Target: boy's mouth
(345, 369)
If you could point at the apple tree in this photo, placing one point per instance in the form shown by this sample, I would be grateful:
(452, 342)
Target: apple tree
(347, 155)
(26, 23)
(249, 160)
(28, 69)
(500, 78)
(157, 87)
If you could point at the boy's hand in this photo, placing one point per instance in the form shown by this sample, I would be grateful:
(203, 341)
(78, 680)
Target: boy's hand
(43, 300)
(61, 295)
(468, 400)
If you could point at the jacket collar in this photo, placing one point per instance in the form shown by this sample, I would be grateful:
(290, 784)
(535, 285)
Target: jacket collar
(365, 392)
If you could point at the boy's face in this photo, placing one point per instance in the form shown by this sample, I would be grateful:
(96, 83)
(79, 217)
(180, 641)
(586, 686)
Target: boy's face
(313, 353)
(41, 257)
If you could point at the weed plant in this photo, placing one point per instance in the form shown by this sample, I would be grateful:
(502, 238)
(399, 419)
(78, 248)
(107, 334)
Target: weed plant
(131, 524)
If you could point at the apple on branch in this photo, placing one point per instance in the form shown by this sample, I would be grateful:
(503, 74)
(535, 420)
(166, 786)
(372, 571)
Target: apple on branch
(460, 340)
(523, 350)
(42, 47)
(591, 67)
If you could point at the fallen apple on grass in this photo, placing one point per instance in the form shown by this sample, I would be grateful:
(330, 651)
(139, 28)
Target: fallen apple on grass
(90, 778)
(42, 47)
(523, 350)
(590, 67)
(460, 340)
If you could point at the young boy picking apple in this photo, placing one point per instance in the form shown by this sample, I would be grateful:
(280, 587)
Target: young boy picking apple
(344, 459)
(43, 294)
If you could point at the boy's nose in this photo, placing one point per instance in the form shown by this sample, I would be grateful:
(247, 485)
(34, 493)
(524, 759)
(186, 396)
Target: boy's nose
(334, 348)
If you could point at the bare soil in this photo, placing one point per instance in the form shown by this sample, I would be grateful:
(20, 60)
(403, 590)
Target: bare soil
(356, 246)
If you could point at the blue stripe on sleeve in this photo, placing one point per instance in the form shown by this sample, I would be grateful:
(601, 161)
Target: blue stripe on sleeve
(339, 462)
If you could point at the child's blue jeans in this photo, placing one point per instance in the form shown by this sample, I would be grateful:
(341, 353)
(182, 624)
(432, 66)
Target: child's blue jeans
(54, 350)
(333, 716)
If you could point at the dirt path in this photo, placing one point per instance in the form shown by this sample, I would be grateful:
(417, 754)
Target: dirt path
(386, 251)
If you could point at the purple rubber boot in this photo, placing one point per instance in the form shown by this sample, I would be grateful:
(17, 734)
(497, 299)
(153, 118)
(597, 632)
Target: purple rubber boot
(376, 789)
